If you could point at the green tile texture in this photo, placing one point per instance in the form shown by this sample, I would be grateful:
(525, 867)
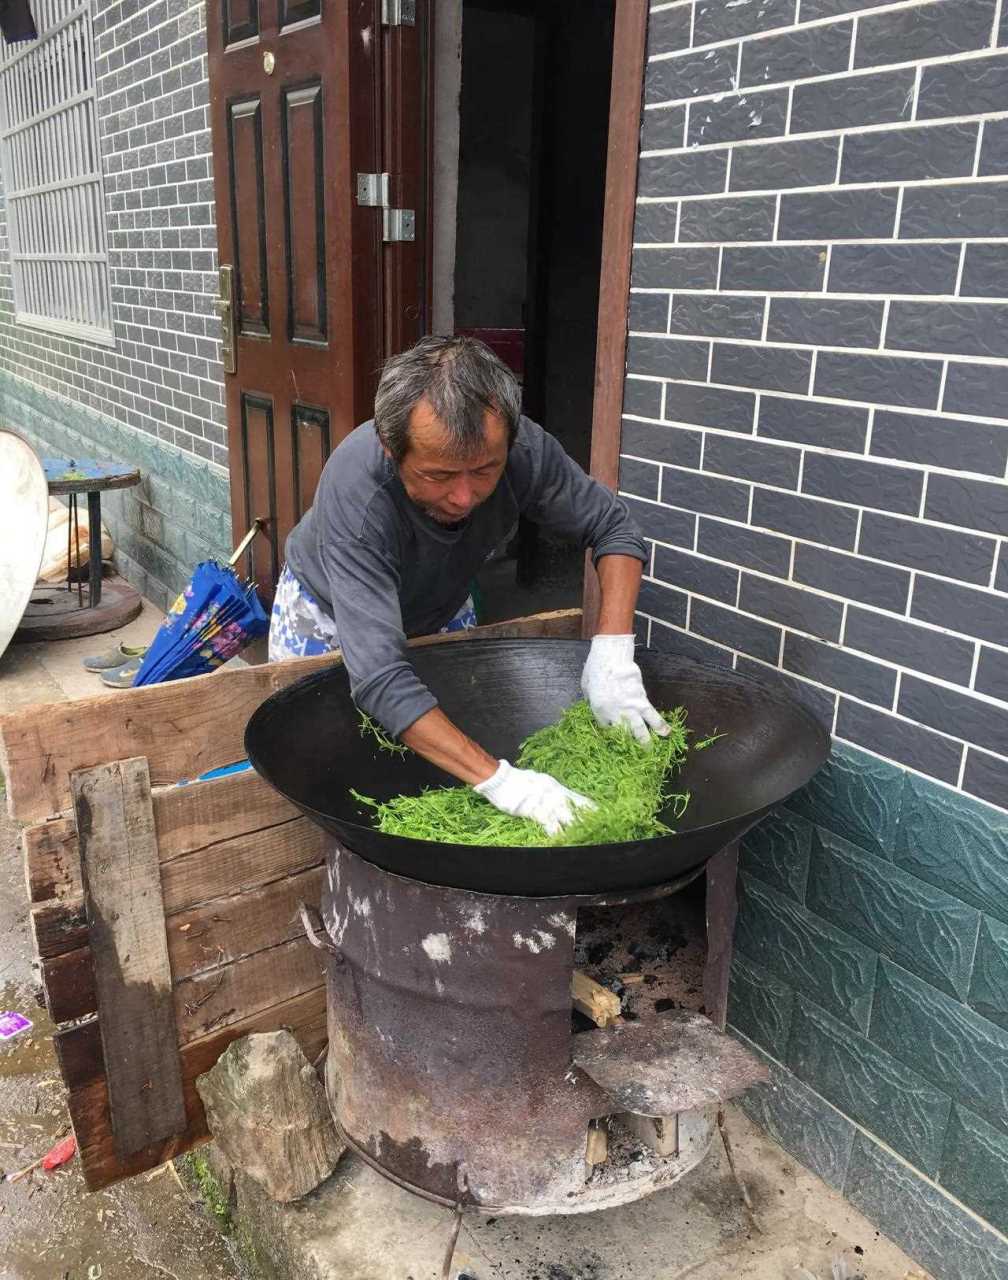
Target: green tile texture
(805, 951)
(873, 1088)
(957, 843)
(856, 796)
(956, 1049)
(975, 1166)
(919, 926)
(872, 968)
(944, 1237)
(760, 1006)
(177, 516)
(989, 989)
(777, 852)
(798, 1118)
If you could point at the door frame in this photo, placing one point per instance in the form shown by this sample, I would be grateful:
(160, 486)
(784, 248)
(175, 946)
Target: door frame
(622, 155)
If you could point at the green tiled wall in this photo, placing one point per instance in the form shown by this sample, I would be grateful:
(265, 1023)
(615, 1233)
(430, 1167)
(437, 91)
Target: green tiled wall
(177, 516)
(871, 970)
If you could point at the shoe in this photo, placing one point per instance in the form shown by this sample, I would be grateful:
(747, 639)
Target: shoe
(123, 676)
(113, 657)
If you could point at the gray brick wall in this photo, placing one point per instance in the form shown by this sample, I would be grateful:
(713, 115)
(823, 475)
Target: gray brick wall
(163, 377)
(815, 443)
(816, 429)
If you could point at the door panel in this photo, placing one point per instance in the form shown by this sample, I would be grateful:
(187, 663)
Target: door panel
(304, 207)
(311, 448)
(241, 20)
(259, 460)
(295, 113)
(248, 210)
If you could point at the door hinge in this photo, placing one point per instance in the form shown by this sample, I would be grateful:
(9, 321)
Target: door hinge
(398, 224)
(373, 193)
(373, 190)
(398, 13)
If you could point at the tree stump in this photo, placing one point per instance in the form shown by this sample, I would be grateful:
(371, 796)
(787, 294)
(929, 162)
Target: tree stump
(268, 1112)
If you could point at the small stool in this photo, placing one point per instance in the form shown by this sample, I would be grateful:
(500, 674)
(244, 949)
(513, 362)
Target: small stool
(55, 613)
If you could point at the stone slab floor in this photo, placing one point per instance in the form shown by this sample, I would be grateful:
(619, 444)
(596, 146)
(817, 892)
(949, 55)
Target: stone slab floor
(357, 1226)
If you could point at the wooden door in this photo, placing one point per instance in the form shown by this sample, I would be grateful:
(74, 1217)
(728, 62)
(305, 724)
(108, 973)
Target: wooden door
(298, 110)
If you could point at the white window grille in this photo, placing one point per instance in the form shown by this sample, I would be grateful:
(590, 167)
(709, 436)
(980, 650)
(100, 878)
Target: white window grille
(52, 175)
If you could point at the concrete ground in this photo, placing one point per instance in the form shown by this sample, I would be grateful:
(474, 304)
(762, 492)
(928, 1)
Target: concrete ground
(357, 1226)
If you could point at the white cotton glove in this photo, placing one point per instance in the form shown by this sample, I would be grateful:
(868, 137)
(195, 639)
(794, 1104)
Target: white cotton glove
(525, 793)
(614, 687)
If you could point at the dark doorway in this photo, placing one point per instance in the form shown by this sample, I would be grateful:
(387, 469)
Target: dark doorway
(533, 130)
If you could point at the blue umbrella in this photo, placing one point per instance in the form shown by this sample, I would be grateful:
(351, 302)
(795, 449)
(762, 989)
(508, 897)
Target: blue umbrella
(214, 618)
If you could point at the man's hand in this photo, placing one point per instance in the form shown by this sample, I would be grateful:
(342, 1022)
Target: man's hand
(524, 793)
(614, 687)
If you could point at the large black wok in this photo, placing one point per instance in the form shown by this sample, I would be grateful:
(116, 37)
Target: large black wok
(306, 742)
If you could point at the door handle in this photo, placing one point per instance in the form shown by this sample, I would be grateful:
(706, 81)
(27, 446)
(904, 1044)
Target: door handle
(225, 305)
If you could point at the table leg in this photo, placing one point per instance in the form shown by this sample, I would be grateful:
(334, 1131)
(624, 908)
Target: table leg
(94, 547)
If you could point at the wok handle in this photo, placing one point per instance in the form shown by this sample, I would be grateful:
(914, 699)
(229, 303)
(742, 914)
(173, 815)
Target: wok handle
(312, 929)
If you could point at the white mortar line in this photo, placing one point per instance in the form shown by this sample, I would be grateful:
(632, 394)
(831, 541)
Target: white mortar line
(813, 134)
(823, 187)
(916, 64)
(976, 154)
(894, 353)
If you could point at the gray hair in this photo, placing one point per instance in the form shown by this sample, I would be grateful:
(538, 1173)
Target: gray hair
(460, 378)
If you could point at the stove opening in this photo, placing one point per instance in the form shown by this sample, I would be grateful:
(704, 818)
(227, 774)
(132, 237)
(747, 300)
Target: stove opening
(649, 954)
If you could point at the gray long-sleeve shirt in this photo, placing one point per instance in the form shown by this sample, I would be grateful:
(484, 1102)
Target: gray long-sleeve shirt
(384, 570)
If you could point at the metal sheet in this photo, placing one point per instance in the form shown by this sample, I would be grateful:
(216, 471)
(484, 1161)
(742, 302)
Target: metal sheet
(666, 1064)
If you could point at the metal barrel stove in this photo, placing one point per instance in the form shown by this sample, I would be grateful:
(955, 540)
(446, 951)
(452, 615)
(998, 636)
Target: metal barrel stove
(453, 1066)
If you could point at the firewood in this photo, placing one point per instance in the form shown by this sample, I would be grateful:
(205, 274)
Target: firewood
(594, 1000)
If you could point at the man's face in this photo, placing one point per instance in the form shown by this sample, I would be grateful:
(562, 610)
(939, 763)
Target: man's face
(448, 488)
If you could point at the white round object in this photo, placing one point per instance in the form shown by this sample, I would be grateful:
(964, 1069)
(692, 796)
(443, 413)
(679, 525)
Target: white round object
(24, 520)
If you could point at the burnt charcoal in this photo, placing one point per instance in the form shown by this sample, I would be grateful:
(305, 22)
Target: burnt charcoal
(662, 1006)
(598, 952)
(641, 951)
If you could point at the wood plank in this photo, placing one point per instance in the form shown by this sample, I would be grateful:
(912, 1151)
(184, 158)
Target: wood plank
(213, 1000)
(125, 910)
(183, 728)
(51, 860)
(259, 868)
(203, 938)
(227, 929)
(68, 985)
(79, 1053)
(205, 813)
(58, 926)
(241, 863)
(233, 866)
(188, 818)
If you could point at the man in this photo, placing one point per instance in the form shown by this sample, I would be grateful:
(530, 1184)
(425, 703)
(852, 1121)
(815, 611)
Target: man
(408, 508)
